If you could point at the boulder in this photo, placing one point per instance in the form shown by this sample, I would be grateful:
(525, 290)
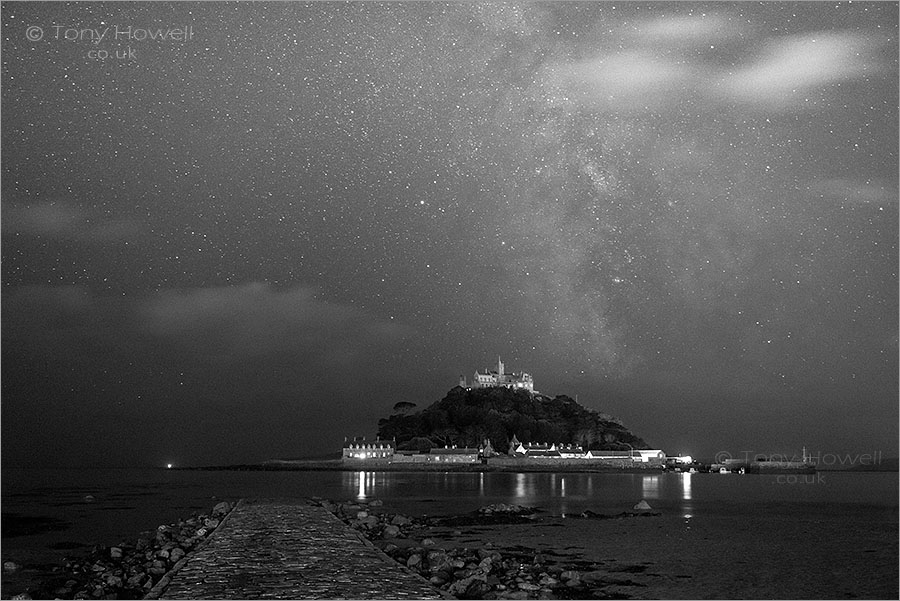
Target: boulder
(391, 531)
(115, 552)
(221, 509)
(594, 577)
(642, 506)
(400, 520)
(460, 587)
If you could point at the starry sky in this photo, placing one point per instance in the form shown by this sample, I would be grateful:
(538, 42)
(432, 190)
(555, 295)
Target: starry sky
(251, 238)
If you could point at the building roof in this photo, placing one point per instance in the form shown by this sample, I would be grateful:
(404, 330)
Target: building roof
(463, 451)
(541, 453)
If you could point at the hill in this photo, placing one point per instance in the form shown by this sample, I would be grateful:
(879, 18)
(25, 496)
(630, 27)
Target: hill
(466, 417)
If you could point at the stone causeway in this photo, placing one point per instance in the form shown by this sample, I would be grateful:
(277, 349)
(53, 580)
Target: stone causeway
(289, 549)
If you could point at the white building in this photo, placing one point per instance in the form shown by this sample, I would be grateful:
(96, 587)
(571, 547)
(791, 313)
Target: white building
(499, 378)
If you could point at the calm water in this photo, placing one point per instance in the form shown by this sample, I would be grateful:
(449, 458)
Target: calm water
(129, 501)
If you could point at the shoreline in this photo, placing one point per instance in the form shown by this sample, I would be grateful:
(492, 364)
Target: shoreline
(339, 466)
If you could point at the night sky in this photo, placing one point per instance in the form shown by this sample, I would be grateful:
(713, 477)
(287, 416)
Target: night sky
(251, 243)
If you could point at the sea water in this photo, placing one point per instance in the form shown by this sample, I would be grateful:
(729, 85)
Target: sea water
(49, 514)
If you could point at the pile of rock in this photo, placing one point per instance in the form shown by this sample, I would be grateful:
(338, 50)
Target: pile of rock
(470, 573)
(507, 509)
(129, 571)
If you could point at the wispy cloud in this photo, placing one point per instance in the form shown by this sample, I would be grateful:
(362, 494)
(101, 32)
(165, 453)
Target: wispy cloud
(656, 64)
(855, 192)
(790, 68)
(255, 319)
(65, 221)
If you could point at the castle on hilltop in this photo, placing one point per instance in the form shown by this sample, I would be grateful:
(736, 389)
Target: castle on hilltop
(500, 379)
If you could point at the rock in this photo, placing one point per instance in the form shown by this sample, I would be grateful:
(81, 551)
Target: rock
(136, 581)
(22, 596)
(548, 581)
(10, 566)
(210, 523)
(361, 515)
(514, 595)
(176, 554)
(642, 506)
(400, 520)
(89, 498)
(376, 503)
(115, 552)
(62, 591)
(427, 542)
(114, 582)
(460, 587)
(437, 580)
(570, 575)
(528, 587)
(221, 508)
(597, 576)
(505, 508)
(414, 560)
(369, 522)
(391, 531)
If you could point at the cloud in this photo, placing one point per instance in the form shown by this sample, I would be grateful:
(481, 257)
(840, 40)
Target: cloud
(176, 371)
(65, 221)
(255, 320)
(792, 67)
(686, 30)
(655, 64)
(857, 192)
(632, 80)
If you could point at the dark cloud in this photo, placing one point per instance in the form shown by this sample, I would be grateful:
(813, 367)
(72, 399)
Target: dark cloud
(209, 370)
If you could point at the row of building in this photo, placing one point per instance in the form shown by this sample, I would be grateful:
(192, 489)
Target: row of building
(383, 451)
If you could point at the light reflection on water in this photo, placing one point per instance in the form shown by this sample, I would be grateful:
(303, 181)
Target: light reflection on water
(559, 494)
(129, 501)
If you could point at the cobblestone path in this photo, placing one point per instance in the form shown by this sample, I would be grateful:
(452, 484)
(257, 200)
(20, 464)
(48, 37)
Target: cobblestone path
(276, 549)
